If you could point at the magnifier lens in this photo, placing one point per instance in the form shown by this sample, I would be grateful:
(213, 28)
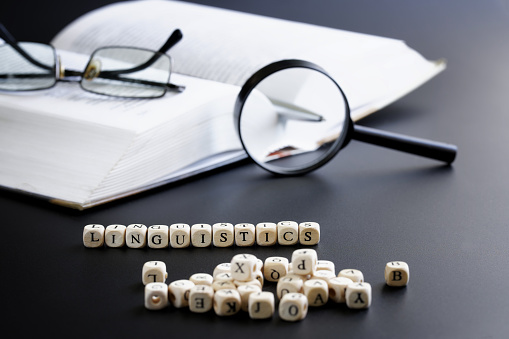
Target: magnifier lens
(294, 120)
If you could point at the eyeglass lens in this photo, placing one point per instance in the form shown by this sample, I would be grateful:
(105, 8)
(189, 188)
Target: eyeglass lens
(127, 72)
(35, 70)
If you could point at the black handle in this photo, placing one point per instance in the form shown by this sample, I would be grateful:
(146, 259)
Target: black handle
(426, 148)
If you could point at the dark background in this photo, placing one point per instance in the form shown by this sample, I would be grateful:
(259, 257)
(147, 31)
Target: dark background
(374, 205)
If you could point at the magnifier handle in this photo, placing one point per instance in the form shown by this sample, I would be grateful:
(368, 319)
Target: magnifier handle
(426, 148)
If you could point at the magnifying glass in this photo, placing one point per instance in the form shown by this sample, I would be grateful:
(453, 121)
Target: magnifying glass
(292, 118)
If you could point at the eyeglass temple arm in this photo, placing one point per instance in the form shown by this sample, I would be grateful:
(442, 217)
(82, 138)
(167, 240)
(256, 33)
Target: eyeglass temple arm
(8, 38)
(174, 38)
(426, 148)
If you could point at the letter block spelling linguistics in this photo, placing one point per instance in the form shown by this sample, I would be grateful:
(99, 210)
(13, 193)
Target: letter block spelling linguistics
(157, 236)
(287, 232)
(222, 235)
(309, 233)
(136, 236)
(180, 235)
(201, 235)
(244, 234)
(93, 235)
(266, 234)
(115, 235)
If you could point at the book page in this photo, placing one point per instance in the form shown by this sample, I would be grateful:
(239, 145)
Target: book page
(229, 46)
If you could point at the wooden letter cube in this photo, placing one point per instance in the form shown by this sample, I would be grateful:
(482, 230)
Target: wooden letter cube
(201, 298)
(245, 291)
(157, 236)
(323, 275)
(93, 235)
(352, 274)
(180, 235)
(244, 234)
(287, 233)
(293, 307)
(309, 233)
(358, 295)
(397, 273)
(154, 271)
(222, 268)
(136, 236)
(290, 283)
(326, 265)
(317, 292)
(179, 292)
(243, 267)
(337, 288)
(201, 235)
(261, 305)
(226, 302)
(223, 285)
(275, 268)
(115, 235)
(156, 296)
(222, 235)
(266, 234)
(202, 279)
(304, 261)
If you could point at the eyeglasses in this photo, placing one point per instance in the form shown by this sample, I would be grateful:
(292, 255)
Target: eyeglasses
(292, 118)
(125, 72)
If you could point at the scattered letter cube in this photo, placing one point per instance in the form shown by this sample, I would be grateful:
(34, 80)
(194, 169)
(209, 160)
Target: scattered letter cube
(317, 292)
(243, 267)
(245, 291)
(93, 235)
(202, 279)
(154, 271)
(337, 288)
(275, 268)
(397, 273)
(201, 298)
(304, 261)
(156, 296)
(352, 274)
(290, 283)
(226, 302)
(261, 305)
(293, 307)
(179, 292)
(358, 295)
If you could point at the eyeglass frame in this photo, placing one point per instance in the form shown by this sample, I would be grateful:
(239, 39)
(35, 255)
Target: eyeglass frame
(64, 75)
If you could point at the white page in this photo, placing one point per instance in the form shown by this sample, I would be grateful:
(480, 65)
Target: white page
(229, 46)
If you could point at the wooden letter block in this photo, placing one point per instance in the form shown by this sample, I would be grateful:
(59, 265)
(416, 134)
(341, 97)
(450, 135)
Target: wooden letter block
(201, 235)
(222, 235)
(287, 233)
(291, 283)
(226, 276)
(136, 236)
(154, 271)
(266, 234)
(397, 273)
(179, 292)
(93, 235)
(337, 288)
(223, 285)
(352, 274)
(261, 305)
(309, 233)
(317, 292)
(222, 268)
(326, 265)
(293, 307)
(201, 298)
(358, 295)
(304, 261)
(253, 282)
(226, 302)
(275, 268)
(157, 236)
(114, 235)
(156, 296)
(243, 267)
(180, 235)
(202, 279)
(323, 275)
(245, 291)
(244, 234)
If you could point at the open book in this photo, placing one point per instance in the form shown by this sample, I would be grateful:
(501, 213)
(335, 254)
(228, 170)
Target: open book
(80, 149)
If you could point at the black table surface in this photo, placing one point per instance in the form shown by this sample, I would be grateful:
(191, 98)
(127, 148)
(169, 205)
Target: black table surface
(450, 223)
